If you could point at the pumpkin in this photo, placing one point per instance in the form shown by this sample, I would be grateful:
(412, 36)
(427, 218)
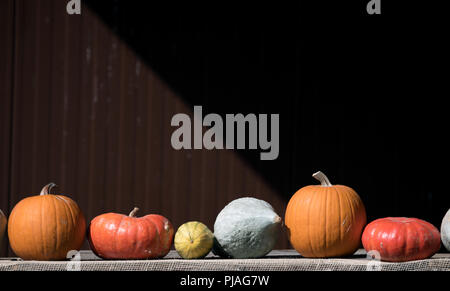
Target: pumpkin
(46, 227)
(117, 236)
(401, 239)
(3, 222)
(445, 231)
(246, 228)
(193, 240)
(325, 220)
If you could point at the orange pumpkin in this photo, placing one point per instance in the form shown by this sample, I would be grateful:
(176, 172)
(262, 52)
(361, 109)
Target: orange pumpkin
(46, 227)
(117, 236)
(325, 220)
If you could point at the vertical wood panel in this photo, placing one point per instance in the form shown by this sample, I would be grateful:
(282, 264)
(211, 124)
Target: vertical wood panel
(87, 104)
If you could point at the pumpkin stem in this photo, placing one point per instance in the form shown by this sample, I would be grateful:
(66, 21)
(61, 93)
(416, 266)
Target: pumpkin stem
(133, 213)
(47, 188)
(322, 179)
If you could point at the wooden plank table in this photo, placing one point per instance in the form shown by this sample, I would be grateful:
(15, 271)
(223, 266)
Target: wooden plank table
(278, 260)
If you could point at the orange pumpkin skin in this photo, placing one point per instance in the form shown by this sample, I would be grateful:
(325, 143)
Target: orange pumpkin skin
(46, 227)
(117, 236)
(325, 220)
(401, 239)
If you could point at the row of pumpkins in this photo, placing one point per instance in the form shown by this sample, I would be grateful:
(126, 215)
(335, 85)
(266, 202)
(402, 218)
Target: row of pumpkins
(322, 221)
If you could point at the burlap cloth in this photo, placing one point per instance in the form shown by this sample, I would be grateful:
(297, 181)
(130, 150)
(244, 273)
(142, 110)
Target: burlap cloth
(282, 260)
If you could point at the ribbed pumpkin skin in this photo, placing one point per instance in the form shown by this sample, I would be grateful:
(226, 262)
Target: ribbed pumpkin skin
(117, 236)
(325, 221)
(401, 239)
(193, 240)
(46, 228)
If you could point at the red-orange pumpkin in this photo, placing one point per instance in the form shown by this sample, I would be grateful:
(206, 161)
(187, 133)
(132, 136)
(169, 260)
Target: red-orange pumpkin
(400, 239)
(117, 236)
(325, 220)
(46, 227)
(3, 222)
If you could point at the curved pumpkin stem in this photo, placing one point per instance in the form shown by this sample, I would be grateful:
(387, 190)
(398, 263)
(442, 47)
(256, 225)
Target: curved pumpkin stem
(133, 213)
(47, 188)
(277, 219)
(322, 179)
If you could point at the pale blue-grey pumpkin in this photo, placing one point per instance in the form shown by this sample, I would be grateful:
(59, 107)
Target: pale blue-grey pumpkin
(246, 228)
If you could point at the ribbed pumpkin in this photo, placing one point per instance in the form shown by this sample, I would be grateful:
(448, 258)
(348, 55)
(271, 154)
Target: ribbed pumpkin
(401, 239)
(325, 220)
(46, 227)
(117, 236)
(193, 240)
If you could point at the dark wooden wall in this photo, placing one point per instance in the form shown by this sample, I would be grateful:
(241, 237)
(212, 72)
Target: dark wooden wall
(86, 102)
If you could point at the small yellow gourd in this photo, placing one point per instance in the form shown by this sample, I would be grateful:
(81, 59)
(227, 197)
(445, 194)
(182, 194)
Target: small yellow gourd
(193, 240)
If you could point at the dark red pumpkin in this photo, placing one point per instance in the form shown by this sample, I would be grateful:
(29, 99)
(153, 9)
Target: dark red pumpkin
(117, 236)
(400, 239)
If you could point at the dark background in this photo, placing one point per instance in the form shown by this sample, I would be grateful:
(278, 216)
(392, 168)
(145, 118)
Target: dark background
(86, 102)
